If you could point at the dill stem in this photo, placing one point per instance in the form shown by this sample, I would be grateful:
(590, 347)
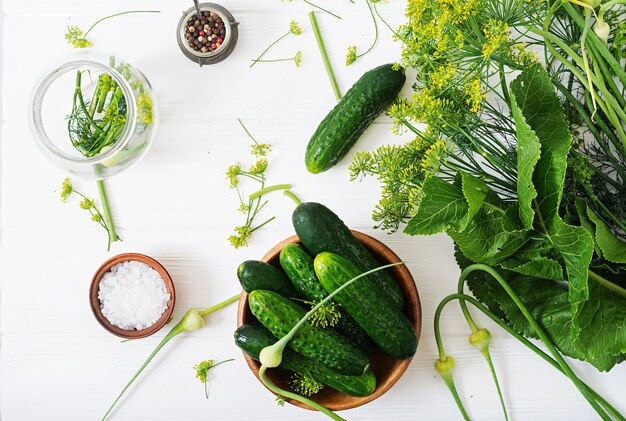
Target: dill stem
(322, 48)
(107, 213)
(118, 14)
(322, 9)
(369, 6)
(268, 48)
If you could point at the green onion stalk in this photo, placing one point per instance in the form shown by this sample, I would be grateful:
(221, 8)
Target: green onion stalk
(272, 355)
(480, 338)
(192, 321)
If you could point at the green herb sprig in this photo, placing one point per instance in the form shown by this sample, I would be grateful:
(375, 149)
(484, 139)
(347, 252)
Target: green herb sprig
(78, 39)
(202, 370)
(254, 203)
(294, 29)
(68, 189)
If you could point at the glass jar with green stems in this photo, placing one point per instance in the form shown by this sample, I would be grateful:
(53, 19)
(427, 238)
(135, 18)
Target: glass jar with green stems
(94, 117)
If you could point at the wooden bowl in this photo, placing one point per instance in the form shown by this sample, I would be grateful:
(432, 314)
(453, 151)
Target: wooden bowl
(387, 369)
(95, 302)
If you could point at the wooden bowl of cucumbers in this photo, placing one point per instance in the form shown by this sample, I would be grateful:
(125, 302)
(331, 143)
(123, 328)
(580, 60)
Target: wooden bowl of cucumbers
(357, 347)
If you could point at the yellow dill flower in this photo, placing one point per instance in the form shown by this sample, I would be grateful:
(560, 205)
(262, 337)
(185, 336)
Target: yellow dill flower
(433, 157)
(496, 34)
(442, 76)
(351, 55)
(232, 173)
(144, 106)
(259, 167)
(474, 96)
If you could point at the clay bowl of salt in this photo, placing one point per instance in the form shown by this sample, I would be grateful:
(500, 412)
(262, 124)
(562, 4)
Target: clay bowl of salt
(132, 295)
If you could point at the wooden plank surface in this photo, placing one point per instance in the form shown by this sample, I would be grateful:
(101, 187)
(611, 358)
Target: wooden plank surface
(56, 362)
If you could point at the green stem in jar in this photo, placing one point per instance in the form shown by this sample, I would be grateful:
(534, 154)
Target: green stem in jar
(191, 321)
(322, 48)
(107, 213)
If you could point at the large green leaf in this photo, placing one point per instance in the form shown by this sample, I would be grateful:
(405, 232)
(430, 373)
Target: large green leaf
(528, 153)
(575, 245)
(602, 323)
(613, 249)
(447, 205)
(443, 204)
(542, 119)
(484, 240)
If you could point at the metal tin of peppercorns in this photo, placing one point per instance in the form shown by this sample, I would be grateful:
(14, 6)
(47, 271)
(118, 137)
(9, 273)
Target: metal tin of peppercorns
(210, 38)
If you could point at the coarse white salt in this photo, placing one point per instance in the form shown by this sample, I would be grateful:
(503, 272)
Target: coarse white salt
(132, 295)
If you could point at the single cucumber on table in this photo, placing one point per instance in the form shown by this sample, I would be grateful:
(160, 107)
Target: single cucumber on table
(327, 346)
(254, 274)
(347, 121)
(298, 265)
(363, 300)
(253, 338)
(320, 229)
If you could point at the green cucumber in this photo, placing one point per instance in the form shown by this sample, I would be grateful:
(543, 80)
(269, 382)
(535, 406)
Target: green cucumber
(320, 229)
(253, 338)
(298, 265)
(363, 300)
(279, 315)
(254, 274)
(347, 121)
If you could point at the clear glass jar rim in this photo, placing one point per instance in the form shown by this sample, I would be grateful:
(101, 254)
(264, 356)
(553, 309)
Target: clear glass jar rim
(37, 104)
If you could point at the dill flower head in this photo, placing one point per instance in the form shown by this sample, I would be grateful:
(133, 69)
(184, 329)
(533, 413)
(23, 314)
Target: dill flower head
(305, 385)
(66, 189)
(232, 173)
(298, 58)
(240, 240)
(144, 107)
(496, 35)
(351, 55)
(259, 167)
(76, 38)
(87, 204)
(260, 149)
(474, 96)
(202, 369)
(294, 28)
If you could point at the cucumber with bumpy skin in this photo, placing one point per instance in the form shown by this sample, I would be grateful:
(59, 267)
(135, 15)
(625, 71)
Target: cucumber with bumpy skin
(279, 315)
(320, 229)
(254, 274)
(253, 338)
(298, 265)
(363, 300)
(347, 121)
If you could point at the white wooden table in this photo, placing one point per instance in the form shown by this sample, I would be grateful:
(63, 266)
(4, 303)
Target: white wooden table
(57, 363)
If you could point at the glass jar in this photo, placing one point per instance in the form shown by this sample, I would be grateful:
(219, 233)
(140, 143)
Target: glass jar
(92, 119)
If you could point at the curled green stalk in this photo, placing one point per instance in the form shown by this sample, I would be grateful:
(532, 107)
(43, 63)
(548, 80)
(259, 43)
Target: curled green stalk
(444, 366)
(268, 189)
(192, 320)
(587, 393)
(463, 298)
(271, 356)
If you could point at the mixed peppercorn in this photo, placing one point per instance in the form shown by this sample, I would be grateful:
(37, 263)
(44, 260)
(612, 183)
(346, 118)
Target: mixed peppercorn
(205, 34)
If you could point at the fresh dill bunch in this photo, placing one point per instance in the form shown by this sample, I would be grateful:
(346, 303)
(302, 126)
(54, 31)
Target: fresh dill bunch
(305, 385)
(202, 370)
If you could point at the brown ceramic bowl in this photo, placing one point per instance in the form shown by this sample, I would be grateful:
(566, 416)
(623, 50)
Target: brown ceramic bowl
(388, 370)
(95, 302)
